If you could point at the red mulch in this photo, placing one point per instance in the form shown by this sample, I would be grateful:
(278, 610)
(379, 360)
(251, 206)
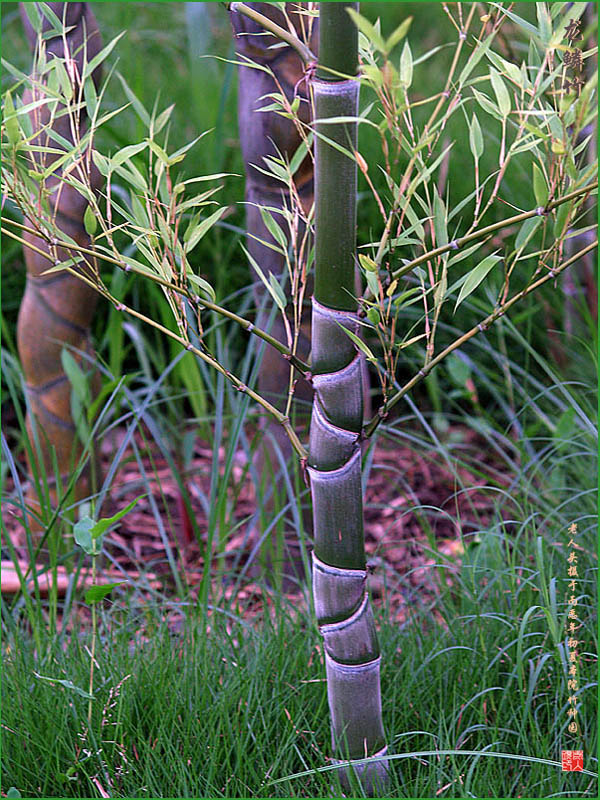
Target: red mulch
(413, 502)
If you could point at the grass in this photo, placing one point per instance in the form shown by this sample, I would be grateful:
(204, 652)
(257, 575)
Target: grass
(241, 709)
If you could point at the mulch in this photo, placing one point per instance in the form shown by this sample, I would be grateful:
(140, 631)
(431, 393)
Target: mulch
(419, 512)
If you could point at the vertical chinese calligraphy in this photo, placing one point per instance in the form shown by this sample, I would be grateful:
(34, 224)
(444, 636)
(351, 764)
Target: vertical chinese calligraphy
(572, 760)
(574, 58)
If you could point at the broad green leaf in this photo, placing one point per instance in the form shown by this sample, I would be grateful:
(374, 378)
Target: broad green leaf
(475, 138)
(540, 188)
(13, 792)
(82, 531)
(511, 70)
(475, 277)
(91, 98)
(101, 56)
(67, 684)
(398, 34)
(544, 23)
(273, 228)
(63, 79)
(359, 343)
(90, 223)
(406, 66)
(528, 228)
(462, 254)
(158, 152)
(373, 315)
(102, 525)
(562, 215)
(162, 119)
(458, 370)
(203, 228)
(365, 27)
(300, 154)
(34, 16)
(501, 92)
(97, 593)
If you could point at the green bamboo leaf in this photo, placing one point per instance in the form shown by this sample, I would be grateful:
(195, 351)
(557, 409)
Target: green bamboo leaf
(277, 292)
(267, 283)
(98, 592)
(398, 34)
(158, 152)
(13, 792)
(373, 315)
(464, 253)
(540, 188)
(367, 263)
(162, 119)
(406, 66)
(475, 277)
(561, 220)
(439, 220)
(365, 27)
(13, 130)
(487, 104)
(102, 163)
(203, 285)
(544, 23)
(101, 56)
(300, 154)
(475, 138)
(526, 26)
(202, 229)
(34, 16)
(61, 682)
(100, 527)
(273, 228)
(90, 223)
(83, 537)
(359, 343)
(75, 375)
(476, 56)
(135, 102)
(91, 98)
(507, 67)
(128, 152)
(501, 93)
(526, 231)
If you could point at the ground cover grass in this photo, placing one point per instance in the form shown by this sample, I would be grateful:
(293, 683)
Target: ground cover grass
(481, 667)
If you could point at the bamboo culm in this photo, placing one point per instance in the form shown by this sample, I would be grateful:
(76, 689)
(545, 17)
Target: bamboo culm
(56, 310)
(342, 604)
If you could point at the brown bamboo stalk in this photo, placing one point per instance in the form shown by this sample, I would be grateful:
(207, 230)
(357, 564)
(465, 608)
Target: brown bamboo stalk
(56, 310)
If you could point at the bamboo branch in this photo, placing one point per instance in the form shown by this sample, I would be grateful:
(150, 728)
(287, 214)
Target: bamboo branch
(248, 326)
(372, 425)
(505, 223)
(303, 50)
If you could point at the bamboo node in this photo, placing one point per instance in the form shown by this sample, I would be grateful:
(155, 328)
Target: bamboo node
(462, 36)
(249, 327)
(541, 211)
(242, 387)
(482, 327)
(454, 245)
(119, 307)
(446, 94)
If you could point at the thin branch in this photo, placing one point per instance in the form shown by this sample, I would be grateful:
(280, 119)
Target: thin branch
(305, 53)
(248, 326)
(372, 425)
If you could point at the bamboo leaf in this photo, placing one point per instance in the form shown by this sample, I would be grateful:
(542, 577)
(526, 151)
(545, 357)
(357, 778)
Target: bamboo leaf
(526, 231)
(90, 223)
(526, 26)
(367, 263)
(439, 220)
(273, 228)
(501, 93)
(127, 153)
(398, 34)
(75, 375)
(10, 120)
(359, 343)
(267, 283)
(101, 56)
(540, 189)
(475, 277)
(277, 292)
(203, 285)
(135, 102)
(365, 27)
(475, 58)
(203, 228)
(475, 138)
(162, 119)
(406, 66)
(487, 104)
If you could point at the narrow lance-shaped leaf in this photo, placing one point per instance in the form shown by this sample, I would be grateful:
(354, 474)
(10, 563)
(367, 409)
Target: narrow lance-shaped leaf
(475, 277)
(475, 138)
